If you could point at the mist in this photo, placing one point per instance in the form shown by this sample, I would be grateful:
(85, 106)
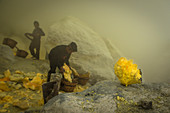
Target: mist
(139, 29)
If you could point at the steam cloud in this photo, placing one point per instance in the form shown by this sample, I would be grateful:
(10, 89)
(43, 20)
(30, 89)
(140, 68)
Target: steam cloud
(140, 29)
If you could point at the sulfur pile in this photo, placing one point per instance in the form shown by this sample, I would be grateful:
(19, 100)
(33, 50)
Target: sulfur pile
(20, 91)
(127, 72)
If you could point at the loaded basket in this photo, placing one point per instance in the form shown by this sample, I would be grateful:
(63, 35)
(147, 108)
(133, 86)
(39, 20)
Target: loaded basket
(68, 86)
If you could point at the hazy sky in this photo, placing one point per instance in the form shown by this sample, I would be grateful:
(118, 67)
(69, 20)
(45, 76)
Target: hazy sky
(139, 28)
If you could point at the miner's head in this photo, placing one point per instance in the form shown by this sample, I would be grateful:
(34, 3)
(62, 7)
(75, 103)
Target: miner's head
(36, 24)
(72, 47)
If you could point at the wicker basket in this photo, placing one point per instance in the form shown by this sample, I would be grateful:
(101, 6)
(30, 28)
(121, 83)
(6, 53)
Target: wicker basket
(21, 53)
(68, 86)
(10, 42)
(83, 79)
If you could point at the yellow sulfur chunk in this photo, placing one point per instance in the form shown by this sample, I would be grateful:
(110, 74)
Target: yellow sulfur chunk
(80, 88)
(67, 73)
(75, 72)
(4, 86)
(35, 84)
(127, 72)
(18, 72)
(6, 106)
(39, 74)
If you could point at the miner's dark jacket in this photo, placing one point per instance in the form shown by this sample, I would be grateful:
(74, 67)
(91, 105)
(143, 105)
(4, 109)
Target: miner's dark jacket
(58, 56)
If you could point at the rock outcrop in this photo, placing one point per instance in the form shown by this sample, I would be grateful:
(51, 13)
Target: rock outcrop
(93, 54)
(110, 96)
(11, 62)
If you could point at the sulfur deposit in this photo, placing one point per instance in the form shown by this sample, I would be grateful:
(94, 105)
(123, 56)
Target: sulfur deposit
(127, 72)
(20, 91)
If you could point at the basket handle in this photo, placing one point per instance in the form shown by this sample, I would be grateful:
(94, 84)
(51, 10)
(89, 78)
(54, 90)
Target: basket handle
(17, 48)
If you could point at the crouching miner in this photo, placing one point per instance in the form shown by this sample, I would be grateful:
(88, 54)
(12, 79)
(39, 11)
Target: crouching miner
(60, 55)
(57, 57)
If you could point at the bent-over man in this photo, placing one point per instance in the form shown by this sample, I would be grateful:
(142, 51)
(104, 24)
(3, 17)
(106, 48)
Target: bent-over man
(60, 55)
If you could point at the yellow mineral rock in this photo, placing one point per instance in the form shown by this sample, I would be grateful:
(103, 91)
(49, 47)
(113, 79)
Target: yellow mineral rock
(21, 104)
(6, 106)
(37, 80)
(67, 73)
(35, 84)
(75, 73)
(5, 79)
(39, 74)
(127, 72)
(6, 99)
(7, 73)
(4, 86)
(120, 98)
(18, 72)
(3, 110)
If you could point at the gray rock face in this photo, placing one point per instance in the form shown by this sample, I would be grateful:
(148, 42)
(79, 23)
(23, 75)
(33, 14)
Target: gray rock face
(6, 56)
(11, 62)
(93, 54)
(109, 97)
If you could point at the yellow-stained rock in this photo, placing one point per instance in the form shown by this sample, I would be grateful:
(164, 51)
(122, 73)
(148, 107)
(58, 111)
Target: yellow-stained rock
(6, 106)
(5, 79)
(21, 104)
(75, 73)
(39, 74)
(19, 72)
(7, 73)
(4, 86)
(35, 84)
(16, 77)
(3, 110)
(7, 98)
(80, 88)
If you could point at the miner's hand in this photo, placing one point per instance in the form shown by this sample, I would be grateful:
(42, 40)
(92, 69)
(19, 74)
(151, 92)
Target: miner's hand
(27, 35)
(62, 70)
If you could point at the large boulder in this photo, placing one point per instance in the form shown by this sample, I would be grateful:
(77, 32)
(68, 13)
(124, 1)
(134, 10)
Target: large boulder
(11, 62)
(6, 57)
(110, 96)
(93, 54)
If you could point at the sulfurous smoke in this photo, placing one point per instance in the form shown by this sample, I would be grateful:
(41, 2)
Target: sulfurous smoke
(139, 29)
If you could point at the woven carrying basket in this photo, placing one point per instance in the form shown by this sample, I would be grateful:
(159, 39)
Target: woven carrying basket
(67, 86)
(10, 42)
(83, 79)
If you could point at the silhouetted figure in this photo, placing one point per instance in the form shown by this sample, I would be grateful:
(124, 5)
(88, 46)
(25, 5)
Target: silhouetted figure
(36, 41)
(60, 55)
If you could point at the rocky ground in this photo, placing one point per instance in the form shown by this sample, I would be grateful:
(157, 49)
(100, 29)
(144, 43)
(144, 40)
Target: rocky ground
(104, 96)
(110, 96)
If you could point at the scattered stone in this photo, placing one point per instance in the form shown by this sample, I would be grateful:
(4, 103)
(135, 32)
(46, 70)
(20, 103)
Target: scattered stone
(16, 77)
(30, 75)
(2, 95)
(18, 86)
(21, 104)
(145, 104)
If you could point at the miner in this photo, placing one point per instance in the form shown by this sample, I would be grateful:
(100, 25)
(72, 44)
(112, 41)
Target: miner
(36, 40)
(60, 55)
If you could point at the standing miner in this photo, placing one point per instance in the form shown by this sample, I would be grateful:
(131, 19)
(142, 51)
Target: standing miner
(36, 41)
